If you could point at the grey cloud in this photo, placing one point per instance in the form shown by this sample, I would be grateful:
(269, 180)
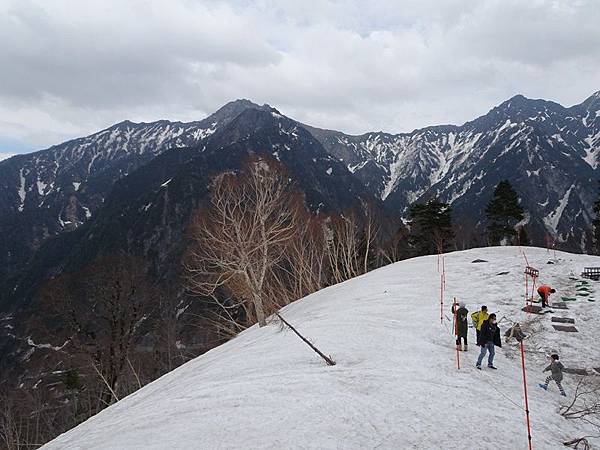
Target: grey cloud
(72, 68)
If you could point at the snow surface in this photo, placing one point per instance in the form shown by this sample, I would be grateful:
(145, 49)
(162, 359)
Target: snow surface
(6, 156)
(395, 385)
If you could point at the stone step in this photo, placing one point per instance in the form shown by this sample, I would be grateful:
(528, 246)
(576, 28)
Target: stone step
(566, 328)
(560, 305)
(563, 320)
(532, 309)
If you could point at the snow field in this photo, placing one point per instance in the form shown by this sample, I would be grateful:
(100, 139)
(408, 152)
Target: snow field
(395, 385)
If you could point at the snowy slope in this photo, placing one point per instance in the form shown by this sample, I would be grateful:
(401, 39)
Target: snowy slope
(395, 384)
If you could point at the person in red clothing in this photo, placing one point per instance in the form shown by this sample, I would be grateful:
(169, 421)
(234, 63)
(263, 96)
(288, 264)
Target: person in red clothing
(545, 292)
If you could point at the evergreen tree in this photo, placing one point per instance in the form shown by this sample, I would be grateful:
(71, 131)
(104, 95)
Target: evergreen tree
(503, 213)
(596, 225)
(430, 227)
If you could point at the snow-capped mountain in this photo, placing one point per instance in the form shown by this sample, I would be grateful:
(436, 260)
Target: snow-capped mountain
(81, 168)
(395, 384)
(547, 151)
(52, 191)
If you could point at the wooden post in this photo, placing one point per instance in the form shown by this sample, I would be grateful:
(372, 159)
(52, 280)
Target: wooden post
(327, 359)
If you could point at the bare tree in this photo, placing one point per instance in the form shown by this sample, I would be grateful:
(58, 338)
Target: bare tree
(370, 235)
(166, 330)
(239, 239)
(343, 248)
(105, 305)
(304, 268)
(585, 404)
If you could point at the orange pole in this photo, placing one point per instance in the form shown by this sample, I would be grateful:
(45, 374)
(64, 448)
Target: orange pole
(525, 391)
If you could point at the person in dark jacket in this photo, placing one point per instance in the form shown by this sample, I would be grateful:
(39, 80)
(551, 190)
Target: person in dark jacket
(489, 338)
(461, 326)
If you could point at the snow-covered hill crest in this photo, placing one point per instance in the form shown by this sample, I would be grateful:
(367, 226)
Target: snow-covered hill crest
(395, 384)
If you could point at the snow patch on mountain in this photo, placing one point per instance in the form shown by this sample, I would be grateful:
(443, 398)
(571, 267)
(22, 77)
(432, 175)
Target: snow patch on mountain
(554, 217)
(22, 192)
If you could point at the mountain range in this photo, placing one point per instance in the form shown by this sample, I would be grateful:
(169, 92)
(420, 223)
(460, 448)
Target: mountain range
(133, 186)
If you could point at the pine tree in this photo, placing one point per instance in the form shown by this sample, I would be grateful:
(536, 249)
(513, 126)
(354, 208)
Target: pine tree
(503, 213)
(596, 225)
(430, 227)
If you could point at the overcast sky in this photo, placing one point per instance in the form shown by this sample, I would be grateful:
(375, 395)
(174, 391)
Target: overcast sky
(69, 68)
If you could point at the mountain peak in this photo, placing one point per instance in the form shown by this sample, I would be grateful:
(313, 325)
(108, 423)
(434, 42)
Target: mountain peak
(231, 110)
(592, 103)
(521, 107)
(514, 101)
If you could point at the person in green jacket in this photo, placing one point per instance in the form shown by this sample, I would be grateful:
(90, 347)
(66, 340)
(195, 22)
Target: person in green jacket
(461, 326)
(478, 318)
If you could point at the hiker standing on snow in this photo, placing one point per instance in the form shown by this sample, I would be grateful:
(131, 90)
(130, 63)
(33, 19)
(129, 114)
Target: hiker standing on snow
(478, 318)
(462, 326)
(489, 338)
(545, 292)
(556, 367)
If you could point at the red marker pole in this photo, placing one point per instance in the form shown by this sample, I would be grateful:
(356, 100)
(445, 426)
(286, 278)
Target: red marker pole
(525, 391)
